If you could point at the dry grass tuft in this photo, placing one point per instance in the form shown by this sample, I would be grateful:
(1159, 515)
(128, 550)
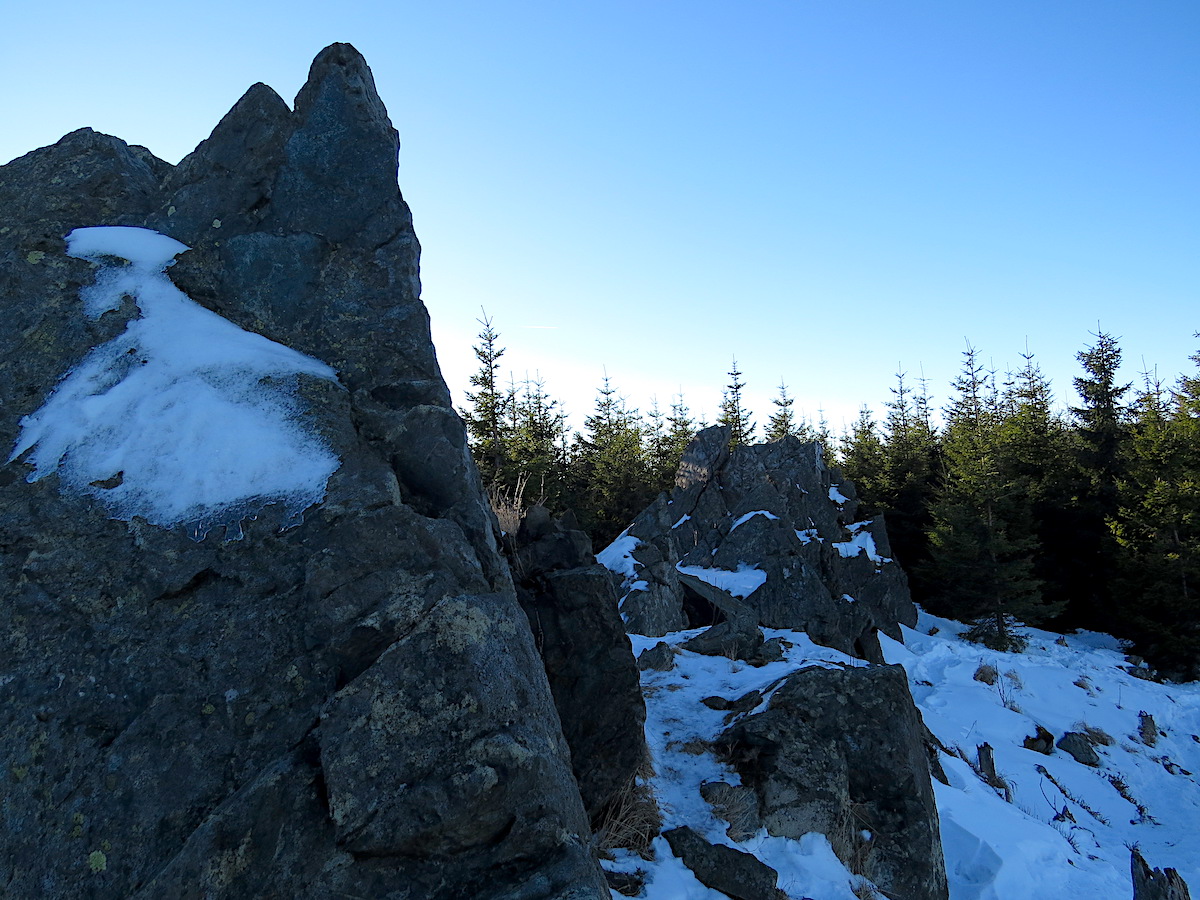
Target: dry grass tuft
(631, 821)
(508, 505)
(1096, 736)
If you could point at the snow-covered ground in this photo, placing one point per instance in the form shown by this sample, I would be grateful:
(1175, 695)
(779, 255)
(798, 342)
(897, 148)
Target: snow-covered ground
(1068, 829)
(1065, 829)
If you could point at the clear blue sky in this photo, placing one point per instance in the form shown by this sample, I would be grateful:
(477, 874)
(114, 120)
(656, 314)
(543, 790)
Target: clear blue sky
(827, 190)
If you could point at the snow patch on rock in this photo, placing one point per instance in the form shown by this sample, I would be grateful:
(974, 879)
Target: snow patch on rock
(182, 418)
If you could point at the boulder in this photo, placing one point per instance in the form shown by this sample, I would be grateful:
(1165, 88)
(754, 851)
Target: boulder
(1041, 741)
(660, 658)
(772, 509)
(1077, 745)
(842, 752)
(1147, 729)
(737, 805)
(572, 610)
(732, 872)
(347, 704)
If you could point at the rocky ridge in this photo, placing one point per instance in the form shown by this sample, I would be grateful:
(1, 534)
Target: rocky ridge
(259, 717)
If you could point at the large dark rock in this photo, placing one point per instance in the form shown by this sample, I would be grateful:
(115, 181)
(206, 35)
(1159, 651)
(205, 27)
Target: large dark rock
(841, 752)
(1155, 884)
(734, 873)
(1079, 747)
(351, 707)
(779, 508)
(572, 611)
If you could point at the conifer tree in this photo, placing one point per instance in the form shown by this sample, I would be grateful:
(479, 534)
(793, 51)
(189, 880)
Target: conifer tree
(665, 446)
(487, 419)
(537, 445)
(733, 413)
(783, 422)
(1103, 420)
(1035, 452)
(862, 458)
(823, 435)
(909, 478)
(1101, 437)
(1158, 527)
(982, 544)
(610, 475)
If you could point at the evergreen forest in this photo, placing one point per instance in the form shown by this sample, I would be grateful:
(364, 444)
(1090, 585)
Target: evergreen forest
(1002, 506)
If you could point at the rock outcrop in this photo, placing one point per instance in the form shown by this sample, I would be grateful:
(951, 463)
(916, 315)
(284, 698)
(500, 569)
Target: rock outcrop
(572, 612)
(768, 536)
(772, 509)
(841, 752)
(354, 706)
(1155, 884)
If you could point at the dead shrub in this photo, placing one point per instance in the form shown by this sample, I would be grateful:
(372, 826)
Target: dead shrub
(508, 505)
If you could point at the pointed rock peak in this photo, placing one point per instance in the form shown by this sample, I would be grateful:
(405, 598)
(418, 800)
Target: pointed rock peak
(343, 68)
(258, 122)
(262, 98)
(339, 178)
(339, 54)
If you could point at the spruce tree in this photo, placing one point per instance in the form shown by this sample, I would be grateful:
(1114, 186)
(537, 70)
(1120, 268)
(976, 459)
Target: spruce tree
(783, 422)
(862, 458)
(733, 413)
(1157, 527)
(537, 445)
(665, 449)
(823, 435)
(487, 419)
(1035, 452)
(909, 478)
(1103, 420)
(1099, 458)
(610, 475)
(982, 545)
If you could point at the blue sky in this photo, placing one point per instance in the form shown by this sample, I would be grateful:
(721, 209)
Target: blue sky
(827, 191)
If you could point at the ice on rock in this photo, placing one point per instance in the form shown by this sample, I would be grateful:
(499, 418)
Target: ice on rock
(182, 418)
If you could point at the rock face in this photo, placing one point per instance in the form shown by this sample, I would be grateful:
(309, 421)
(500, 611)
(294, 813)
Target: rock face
(769, 536)
(351, 707)
(572, 612)
(841, 753)
(1155, 884)
(776, 508)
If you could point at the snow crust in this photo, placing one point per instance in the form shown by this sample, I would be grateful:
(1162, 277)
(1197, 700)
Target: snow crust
(808, 535)
(1068, 839)
(742, 520)
(740, 582)
(617, 557)
(182, 418)
(861, 541)
(1067, 829)
(836, 496)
